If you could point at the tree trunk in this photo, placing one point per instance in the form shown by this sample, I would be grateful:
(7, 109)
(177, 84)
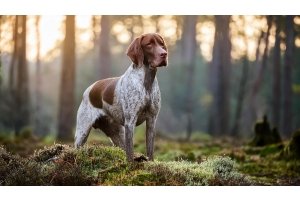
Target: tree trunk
(94, 27)
(0, 53)
(241, 95)
(66, 117)
(22, 92)
(95, 43)
(105, 54)
(38, 80)
(250, 113)
(262, 69)
(276, 77)
(189, 50)
(12, 67)
(287, 78)
(220, 76)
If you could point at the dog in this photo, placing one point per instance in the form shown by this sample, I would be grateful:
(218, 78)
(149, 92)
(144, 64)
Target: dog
(116, 105)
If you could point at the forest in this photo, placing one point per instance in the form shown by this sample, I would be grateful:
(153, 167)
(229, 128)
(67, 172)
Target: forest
(230, 100)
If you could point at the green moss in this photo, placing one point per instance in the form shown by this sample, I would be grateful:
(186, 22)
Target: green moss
(211, 150)
(200, 137)
(94, 165)
(214, 171)
(48, 153)
(95, 158)
(169, 155)
(271, 149)
(25, 133)
(292, 151)
(103, 165)
(15, 170)
(58, 165)
(143, 177)
(129, 176)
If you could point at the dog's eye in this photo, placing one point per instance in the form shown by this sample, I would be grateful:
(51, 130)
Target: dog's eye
(149, 44)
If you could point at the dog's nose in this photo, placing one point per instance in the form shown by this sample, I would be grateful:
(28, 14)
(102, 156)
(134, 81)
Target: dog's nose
(163, 55)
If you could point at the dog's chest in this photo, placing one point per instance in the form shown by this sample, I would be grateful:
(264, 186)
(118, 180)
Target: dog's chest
(133, 101)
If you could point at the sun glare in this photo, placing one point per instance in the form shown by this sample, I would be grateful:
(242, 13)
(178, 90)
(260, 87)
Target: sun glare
(205, 37)
(121, 32)
(167, 27)
(245, 31)
(149, 26)
(50, 31)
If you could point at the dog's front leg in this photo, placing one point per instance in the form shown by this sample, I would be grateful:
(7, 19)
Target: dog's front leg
(150, 134)
(129, 129)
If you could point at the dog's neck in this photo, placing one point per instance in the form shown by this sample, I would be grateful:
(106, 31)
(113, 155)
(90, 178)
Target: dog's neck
(150, 74)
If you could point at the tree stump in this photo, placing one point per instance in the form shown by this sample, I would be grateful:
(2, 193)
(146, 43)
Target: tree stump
(264, 135)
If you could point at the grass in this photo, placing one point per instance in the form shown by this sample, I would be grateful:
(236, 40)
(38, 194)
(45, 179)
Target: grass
(27, 161)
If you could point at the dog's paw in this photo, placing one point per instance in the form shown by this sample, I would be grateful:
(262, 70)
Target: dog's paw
(140, 158)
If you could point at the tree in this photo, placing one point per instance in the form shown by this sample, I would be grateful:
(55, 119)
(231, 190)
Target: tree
(105, 52)
(94, 29)
(241, 96)
(276, 100)
(263, 66)
(260, 66)
(0, 53)
(66, 115)
(220, 76)
(241, 88)
(260, 71)
(12, 67)
(38, 80)
(8, 107)
(22, 81)
(287, 76)
(189, 50)
(94, 26)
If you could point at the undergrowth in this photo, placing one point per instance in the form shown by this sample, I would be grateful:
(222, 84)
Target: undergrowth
(103, 165)
(215, 161)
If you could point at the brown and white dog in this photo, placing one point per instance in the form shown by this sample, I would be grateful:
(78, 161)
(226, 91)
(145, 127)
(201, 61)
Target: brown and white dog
(117, 105)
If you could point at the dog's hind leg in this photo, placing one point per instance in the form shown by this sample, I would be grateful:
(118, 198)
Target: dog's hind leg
(118, 137)
(111, 129)
(86, 116)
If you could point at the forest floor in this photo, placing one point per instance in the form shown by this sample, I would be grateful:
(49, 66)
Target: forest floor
(28, 160)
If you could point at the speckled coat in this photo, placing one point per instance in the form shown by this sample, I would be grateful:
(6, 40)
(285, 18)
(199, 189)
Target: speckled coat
(132, 105)
(117, 105)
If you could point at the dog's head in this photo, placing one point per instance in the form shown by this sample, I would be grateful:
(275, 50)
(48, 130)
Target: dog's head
(149, 50)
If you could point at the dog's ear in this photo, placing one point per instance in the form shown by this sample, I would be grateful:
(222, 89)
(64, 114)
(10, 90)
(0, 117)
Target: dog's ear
(135, 52)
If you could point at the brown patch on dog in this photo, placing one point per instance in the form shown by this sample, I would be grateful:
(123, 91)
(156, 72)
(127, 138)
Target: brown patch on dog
(103, 89)
(108, 95)
(135, 51)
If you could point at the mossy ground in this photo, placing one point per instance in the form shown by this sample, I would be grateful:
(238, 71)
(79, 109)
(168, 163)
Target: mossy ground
(102, 165)
(202, 161)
